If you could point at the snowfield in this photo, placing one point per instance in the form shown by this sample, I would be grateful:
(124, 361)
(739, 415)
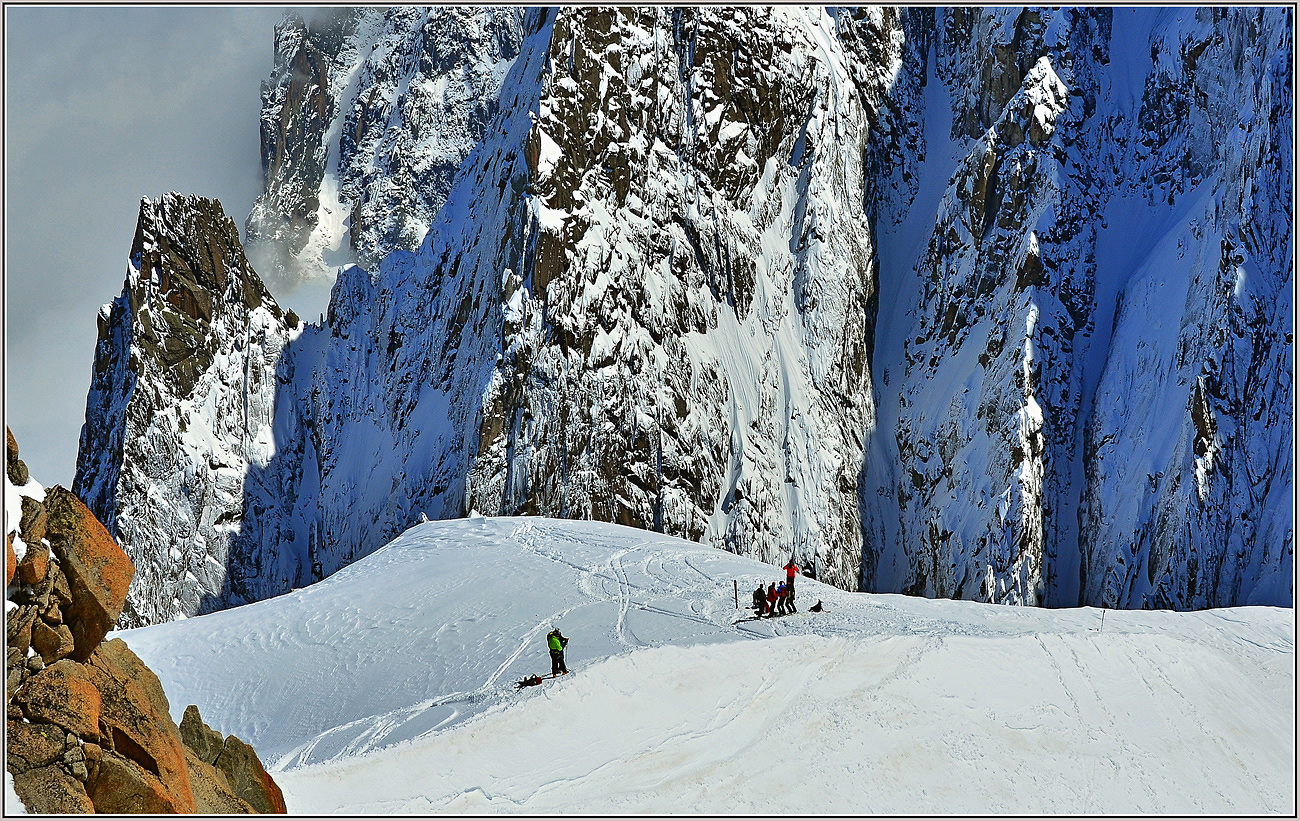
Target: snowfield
(389, 688)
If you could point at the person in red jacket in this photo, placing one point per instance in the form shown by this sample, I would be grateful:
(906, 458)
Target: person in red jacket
(790, 570)
(771, 599)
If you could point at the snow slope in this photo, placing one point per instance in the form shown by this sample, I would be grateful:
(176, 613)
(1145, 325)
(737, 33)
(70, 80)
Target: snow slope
(388, 688)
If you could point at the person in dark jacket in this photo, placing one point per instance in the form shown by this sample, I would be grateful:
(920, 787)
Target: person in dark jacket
(556, 643)
(760, 601)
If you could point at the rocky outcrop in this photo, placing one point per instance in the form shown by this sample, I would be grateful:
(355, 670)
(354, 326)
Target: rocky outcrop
(15, 468)
(93, 565)
(180, 405)
(234, 760)
(88, 725)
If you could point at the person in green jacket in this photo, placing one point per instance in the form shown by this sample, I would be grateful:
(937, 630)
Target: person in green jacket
(556, 642)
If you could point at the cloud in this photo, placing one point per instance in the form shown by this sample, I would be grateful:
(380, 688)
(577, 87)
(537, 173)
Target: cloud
(104, 106)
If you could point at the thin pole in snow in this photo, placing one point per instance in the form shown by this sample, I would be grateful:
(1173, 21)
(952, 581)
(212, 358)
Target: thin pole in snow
(736, 589)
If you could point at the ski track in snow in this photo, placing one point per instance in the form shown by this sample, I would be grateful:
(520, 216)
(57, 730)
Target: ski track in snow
(389, 688)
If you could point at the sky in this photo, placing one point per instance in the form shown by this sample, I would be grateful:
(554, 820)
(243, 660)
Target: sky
(104, 106)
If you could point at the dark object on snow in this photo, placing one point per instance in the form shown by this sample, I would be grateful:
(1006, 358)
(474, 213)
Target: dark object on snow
(557, 642)
(816, 608)
(760, 602)
(531, 681)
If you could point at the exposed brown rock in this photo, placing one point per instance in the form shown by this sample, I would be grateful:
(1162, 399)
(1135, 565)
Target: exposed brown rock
(31, 524)
(11, 446)
(97, 570)
(94, 753)
(53, 642)
(204, 741)
(62, 694)
(236, 764)
(11, 561)
(239, 765)
(17, 472)
(51, 790)
(249, 778)
(62, 592)
(95, 691)
(212, 792)
(18, 627)
(28, 745)
(136, 713)
(121, 785)
(35, 564)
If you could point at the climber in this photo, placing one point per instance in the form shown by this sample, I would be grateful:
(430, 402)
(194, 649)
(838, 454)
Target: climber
(557, 642)
(771, 599)
(760, 602)
(790, 570)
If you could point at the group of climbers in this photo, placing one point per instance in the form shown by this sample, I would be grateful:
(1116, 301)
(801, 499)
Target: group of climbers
(777, 599)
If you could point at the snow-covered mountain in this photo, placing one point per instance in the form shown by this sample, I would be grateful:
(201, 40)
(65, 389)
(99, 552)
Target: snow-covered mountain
(1086, 379)
(389, 688)
(990, 305)
(366, 119)
(180, 407)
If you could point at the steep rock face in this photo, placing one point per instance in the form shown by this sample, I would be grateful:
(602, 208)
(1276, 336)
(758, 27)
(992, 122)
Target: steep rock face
(634, 324)
(965, 490)
(686, 333)
(180, 404)
(88, 725)
(1032, 449)
(366, 118)
(299, 102)
(885, 289)
(1202, 350)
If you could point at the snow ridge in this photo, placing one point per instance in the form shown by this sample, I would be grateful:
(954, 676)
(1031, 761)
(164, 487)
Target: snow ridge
(367, 694)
